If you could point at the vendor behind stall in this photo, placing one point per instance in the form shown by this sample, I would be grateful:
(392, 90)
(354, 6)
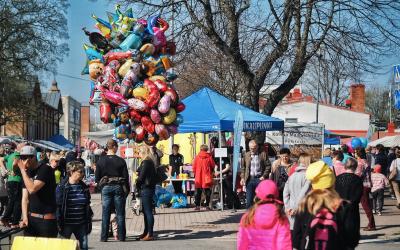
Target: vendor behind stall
(175, 167)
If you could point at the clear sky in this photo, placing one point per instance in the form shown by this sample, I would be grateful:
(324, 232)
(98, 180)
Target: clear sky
(78, 86)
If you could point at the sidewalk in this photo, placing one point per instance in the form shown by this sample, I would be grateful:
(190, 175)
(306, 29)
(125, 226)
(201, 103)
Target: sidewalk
(186, 229)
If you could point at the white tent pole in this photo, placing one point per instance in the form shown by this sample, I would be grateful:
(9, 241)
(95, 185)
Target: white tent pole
(220, 173)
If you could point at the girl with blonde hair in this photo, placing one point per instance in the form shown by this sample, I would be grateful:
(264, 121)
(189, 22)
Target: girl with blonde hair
(324, 220)
(146, 185)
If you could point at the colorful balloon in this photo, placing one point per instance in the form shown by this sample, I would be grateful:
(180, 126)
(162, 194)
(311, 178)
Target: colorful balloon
(355, 143)
(106, 112)
(179, 119)
(162, 131)
(364, 142)
(125, 67)
(140, 93)
(92, 53)
(135, 116)
(161, 85)
(180, 107)
(137, 104)
(140, 133)
(117, 55)
(174, 96)
(151, 139)
(147, 124)
(169, 117)
(155, 116)
(164, 104)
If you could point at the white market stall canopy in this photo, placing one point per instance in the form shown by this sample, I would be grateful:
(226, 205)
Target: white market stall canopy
(387, 141)
(100, 137)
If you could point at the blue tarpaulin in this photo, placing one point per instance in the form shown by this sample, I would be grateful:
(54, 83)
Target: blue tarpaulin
(330, 138)
(208, 111)
(60, 140)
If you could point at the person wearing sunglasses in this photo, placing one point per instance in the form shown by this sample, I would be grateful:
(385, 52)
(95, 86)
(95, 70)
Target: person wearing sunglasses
(74, 215)
(38, 195)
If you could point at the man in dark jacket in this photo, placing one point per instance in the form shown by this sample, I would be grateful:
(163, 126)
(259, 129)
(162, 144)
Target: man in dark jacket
(112, 176)
(74, 215)
(255, 167)
(381, 158)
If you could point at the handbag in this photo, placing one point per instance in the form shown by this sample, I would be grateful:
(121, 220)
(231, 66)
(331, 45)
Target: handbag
(393, 173)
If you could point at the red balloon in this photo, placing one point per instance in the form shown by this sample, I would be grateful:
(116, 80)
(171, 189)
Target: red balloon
(140, 133)
(135, 116)
(117, 55)
(148, 84)
(147, 124)
(153, 98)
(180, 107)
(161, 85)
(106, 112)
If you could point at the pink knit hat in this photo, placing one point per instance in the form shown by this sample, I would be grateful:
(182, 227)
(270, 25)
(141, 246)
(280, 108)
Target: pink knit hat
(267, 190)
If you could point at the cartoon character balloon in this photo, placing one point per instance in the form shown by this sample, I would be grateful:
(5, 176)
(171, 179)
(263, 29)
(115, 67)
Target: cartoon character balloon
(131, 71)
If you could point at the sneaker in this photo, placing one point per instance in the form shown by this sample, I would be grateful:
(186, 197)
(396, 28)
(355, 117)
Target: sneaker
(393, 197)
(197, 209)
(379, 213)
(373, 211)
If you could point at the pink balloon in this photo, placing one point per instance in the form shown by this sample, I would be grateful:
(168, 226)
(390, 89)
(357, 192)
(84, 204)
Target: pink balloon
(114, 97)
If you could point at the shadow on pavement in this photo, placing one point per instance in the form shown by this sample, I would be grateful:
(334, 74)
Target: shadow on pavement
(189, 234)
(371, 236)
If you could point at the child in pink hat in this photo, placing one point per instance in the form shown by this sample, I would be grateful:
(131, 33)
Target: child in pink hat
(265, 225)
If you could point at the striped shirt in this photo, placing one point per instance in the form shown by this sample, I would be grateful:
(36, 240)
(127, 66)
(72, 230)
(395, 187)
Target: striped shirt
(76, 204)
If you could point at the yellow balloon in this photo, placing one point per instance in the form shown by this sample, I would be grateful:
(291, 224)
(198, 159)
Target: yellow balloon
(157, 77)
(140, 93)
(170, 117)
(125, 67)
(147, 49)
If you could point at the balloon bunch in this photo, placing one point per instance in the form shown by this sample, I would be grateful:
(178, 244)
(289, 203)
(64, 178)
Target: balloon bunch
(131, 76)
(357, 142)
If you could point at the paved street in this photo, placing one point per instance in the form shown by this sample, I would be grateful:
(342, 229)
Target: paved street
(186, 229)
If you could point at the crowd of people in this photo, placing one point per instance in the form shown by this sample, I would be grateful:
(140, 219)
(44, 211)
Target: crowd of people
(314, 204)
(293, 202)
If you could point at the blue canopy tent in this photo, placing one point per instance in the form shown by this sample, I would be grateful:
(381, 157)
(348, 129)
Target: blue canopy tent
(208, 111)
(62, 141)
(330, 138)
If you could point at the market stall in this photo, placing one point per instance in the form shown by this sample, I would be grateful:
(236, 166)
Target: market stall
(207, 111)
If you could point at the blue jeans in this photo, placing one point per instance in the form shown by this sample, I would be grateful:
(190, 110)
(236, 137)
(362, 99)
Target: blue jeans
(113, 194)
(147, 202)
(251, 190)
(80, 234)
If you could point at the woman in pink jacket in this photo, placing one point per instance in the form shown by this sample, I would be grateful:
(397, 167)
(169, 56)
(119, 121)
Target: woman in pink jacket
(265, 225)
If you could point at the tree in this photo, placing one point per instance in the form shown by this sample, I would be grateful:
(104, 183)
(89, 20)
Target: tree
(31, 41)
(263, 40)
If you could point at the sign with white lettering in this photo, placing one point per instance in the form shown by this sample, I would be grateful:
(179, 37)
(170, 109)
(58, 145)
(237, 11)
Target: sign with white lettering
(311, 134)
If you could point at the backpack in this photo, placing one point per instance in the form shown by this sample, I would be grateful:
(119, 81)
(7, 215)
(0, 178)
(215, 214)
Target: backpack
(323, 232)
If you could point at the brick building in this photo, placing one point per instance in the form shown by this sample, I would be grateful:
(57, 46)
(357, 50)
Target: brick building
(45, 123)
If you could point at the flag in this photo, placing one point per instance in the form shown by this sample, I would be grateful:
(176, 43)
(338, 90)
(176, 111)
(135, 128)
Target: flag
(237, 136)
